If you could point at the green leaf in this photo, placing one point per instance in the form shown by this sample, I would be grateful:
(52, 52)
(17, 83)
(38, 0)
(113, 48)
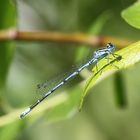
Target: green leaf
(8, 19)
(132, 15)
(130, 56)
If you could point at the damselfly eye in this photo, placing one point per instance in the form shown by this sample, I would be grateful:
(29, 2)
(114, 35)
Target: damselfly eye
(110, 46)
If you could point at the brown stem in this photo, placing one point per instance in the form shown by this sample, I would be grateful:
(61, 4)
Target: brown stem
(80, 38)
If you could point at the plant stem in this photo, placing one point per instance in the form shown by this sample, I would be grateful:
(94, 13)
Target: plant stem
(80, 38)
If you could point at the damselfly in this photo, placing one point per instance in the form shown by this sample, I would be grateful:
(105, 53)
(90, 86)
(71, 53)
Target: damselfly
(97, 56)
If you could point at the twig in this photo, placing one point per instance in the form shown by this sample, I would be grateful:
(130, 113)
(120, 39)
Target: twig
(81, 38)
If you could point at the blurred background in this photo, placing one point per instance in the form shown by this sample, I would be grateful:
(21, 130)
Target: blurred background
(34, 62)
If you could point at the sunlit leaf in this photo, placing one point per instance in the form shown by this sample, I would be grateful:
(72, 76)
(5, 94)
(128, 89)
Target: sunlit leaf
(130, 56)
(132, 15)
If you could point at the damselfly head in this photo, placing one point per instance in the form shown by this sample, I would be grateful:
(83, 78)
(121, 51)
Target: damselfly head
(38, 86)
(111, 47)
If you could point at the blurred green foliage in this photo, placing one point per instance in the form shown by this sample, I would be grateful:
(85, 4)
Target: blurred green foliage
(8, 19)
(35, 62)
